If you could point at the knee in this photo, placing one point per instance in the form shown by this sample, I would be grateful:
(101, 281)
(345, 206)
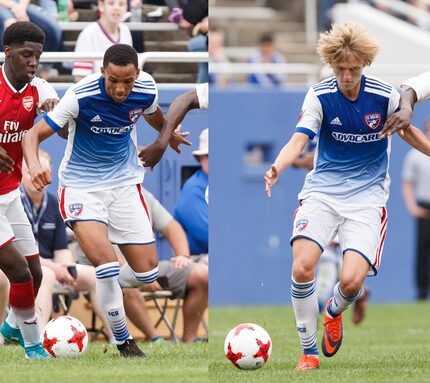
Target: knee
(198, 277)
(49, 278)
(303, 270)
(350, 286)
(19, 271)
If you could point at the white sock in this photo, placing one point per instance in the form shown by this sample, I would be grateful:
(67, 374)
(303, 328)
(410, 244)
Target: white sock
(305, 307)
(27, 322)
(109, 296)
(11, 319)
(340, 301)
(129, 278)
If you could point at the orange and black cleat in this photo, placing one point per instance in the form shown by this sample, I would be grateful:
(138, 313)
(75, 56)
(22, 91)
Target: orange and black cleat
(307, 362)
(333, 333)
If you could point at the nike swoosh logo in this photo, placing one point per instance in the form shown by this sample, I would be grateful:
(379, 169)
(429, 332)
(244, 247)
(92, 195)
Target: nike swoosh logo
(329, 346)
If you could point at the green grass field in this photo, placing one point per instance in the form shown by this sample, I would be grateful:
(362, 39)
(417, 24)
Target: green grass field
(391, 345)
(167, 363)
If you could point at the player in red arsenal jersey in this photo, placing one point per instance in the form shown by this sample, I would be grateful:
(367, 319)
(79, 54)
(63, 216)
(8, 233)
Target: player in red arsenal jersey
(21, 96)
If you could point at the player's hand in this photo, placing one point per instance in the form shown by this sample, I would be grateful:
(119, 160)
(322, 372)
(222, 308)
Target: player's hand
(6, 163)
(270, 179)
(400, 120)
(181, 261)
(48, 104)
(151, 155)
(178, 138)
(40, 177)
(152, 287)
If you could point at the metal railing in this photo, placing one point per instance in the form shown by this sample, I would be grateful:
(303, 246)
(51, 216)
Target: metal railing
(145, 57)
(134, 26)
(311, 71)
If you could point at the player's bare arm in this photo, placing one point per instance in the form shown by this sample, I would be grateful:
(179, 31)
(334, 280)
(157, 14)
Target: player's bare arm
(6, 163)
(180, 107)
(170, 132)
(417, 139)
(401, 119)
(30, 147)
(286, 156)
(152, 154)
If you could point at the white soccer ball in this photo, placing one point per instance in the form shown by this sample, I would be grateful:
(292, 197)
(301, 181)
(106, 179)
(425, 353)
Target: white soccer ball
(65, 337)
(248, 346)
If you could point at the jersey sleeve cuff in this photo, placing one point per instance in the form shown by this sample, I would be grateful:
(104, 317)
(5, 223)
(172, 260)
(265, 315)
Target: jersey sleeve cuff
(50, 122)
(306, 131)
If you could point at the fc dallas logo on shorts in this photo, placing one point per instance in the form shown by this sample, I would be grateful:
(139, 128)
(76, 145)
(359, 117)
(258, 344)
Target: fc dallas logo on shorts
(28, 102)
(75, 209)
(372, 120)
(301, 224)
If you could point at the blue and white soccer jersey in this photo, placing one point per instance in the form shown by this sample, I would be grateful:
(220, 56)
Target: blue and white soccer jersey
(14, 225)
(349, 186)
(100, 170)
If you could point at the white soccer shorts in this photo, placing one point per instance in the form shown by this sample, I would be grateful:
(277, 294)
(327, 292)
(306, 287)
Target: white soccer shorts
(14, 225)
(122, 209)
(361, 229)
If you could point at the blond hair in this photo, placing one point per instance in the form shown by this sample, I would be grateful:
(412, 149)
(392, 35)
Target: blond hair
(343, 39)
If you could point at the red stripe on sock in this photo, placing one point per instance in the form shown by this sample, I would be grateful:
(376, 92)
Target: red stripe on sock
(21, 295)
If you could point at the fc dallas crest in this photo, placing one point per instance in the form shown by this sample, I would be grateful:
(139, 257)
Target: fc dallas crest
(134, 114)
(28, 103)
(373, 120)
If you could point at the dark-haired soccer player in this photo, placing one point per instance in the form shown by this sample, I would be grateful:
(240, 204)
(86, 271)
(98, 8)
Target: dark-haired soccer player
(100, 176)
(21, 94)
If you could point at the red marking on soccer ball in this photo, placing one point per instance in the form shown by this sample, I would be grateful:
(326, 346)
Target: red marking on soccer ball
(242, 327)
(78, 337)
(232, 356)
(49, 343)
(264, 350)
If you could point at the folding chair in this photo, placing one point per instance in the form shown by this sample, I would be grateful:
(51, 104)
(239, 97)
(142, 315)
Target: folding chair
(62, 298)
(161, 301)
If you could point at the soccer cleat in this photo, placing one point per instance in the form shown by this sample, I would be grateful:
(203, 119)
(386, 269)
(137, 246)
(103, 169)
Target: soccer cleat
(360, 307)
(36, 352)
(11, 335)
(129, 349)
(307, 362)
(333, 333)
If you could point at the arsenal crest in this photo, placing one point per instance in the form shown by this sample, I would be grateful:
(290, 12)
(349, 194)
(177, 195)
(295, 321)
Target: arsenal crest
(301, 224)
(28, 102)
(134, 114)
(372, 120)
(75, 209)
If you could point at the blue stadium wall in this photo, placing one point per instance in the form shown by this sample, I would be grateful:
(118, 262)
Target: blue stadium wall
(250, 260)
(165, 181)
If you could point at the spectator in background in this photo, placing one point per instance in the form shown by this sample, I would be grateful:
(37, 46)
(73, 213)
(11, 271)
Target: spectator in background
(217, 55)
(22, 10)
(266, 54)
(195, 19)
(186, 276)
(191, 210)
(57, 261)
(416, 194)
(100, 35)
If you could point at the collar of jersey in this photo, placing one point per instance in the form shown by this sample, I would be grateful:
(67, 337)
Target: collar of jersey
(10, 87)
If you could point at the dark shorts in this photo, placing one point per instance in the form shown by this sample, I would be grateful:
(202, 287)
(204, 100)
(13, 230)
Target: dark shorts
(175, 280)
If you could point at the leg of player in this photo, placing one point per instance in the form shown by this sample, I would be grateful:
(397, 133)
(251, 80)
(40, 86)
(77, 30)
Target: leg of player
(94, 241)
(306, 254)
(345, 293)
(22, 302)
